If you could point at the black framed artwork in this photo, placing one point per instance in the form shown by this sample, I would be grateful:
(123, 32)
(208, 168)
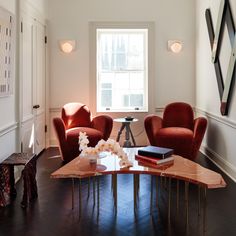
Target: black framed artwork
(225, 18)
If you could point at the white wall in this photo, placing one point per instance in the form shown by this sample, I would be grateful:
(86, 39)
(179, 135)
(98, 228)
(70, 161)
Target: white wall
(174, 74)
(220, 138)
(8, 125)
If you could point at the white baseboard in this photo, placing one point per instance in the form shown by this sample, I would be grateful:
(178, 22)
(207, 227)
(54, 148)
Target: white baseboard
(220, 162)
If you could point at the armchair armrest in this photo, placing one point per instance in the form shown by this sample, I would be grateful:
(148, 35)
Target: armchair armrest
(60, 130)
(104, 124)
(200, 125)
(152, 124)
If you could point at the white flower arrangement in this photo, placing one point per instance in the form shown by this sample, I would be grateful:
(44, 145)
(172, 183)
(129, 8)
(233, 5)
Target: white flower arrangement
(103, 146)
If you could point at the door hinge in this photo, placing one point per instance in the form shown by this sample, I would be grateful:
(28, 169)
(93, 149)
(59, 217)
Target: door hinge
(46, 39)
(46, 128)
(21, 27)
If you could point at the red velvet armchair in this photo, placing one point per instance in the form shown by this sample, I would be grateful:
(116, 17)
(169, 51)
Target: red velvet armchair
(76, 118)
(177, 129)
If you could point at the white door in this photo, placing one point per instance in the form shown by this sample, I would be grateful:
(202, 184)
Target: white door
(33, 85)
(39, 88)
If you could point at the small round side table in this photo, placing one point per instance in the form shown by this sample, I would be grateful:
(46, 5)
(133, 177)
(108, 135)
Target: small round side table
(126, 125)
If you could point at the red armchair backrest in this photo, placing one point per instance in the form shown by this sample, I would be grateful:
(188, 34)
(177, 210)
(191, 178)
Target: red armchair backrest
(76, 115)
(178, 114)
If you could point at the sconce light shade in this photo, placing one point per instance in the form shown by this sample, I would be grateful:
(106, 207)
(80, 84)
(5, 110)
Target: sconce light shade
(175, 46)
(67, 46)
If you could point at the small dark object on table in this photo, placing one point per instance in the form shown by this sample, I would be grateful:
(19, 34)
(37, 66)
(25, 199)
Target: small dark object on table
(129, 118)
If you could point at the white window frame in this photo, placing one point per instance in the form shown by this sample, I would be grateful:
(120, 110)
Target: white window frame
(93, 62)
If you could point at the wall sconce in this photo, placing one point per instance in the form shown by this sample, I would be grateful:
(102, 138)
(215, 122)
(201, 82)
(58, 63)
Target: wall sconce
(67, 46)
(175, 46)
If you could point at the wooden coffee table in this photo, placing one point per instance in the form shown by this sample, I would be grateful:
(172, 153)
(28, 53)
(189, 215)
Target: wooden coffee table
(181, 169)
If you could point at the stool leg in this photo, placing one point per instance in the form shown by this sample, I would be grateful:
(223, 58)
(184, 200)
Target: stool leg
(127, 142)
(120, 132)
(132, 136)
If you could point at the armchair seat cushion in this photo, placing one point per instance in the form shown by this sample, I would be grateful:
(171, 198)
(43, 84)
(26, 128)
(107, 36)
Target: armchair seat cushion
(93, 136)
(178, 138)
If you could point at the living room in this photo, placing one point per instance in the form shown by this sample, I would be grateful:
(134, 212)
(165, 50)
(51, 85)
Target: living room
(188, 76)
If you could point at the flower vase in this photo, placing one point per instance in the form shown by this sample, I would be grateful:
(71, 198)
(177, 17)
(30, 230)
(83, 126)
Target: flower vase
(93, 158)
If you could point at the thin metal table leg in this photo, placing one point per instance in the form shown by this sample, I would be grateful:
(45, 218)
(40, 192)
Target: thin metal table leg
(157, 191)
(169, 201)
(177, 196)
(138, 180)
(135, 191)
(73, 192)
(98, 189)
(199, 200)
(151, 197)
(114, 182)
(204, 211)
(186, 204)
(94, 194)
(80, 199)
(88, 188)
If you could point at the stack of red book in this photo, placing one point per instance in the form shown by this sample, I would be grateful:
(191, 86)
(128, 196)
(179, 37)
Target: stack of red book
(153, 161)
(154, 156)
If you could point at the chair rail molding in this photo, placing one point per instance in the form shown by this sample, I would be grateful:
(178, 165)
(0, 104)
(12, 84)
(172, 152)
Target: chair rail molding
(8, 128)
(54, 109)
(220, 119)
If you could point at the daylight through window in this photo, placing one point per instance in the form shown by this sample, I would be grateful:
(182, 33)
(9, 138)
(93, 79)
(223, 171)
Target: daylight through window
(122, 77)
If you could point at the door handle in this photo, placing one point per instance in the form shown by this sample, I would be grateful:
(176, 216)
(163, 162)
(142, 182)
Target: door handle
(36, 106)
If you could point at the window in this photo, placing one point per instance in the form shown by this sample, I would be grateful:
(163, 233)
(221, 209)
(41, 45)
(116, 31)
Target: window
(122, 69)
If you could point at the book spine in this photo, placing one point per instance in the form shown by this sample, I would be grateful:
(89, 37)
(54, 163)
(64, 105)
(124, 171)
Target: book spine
(154, 161)
(147, 159)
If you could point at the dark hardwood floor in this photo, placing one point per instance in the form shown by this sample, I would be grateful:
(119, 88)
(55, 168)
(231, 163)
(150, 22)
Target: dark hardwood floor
(51, 213)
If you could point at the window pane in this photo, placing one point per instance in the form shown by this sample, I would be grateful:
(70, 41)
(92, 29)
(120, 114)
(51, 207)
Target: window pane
(121, 81)
(136, 80)
(106, 98)
(136, 100)
(121, 68)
